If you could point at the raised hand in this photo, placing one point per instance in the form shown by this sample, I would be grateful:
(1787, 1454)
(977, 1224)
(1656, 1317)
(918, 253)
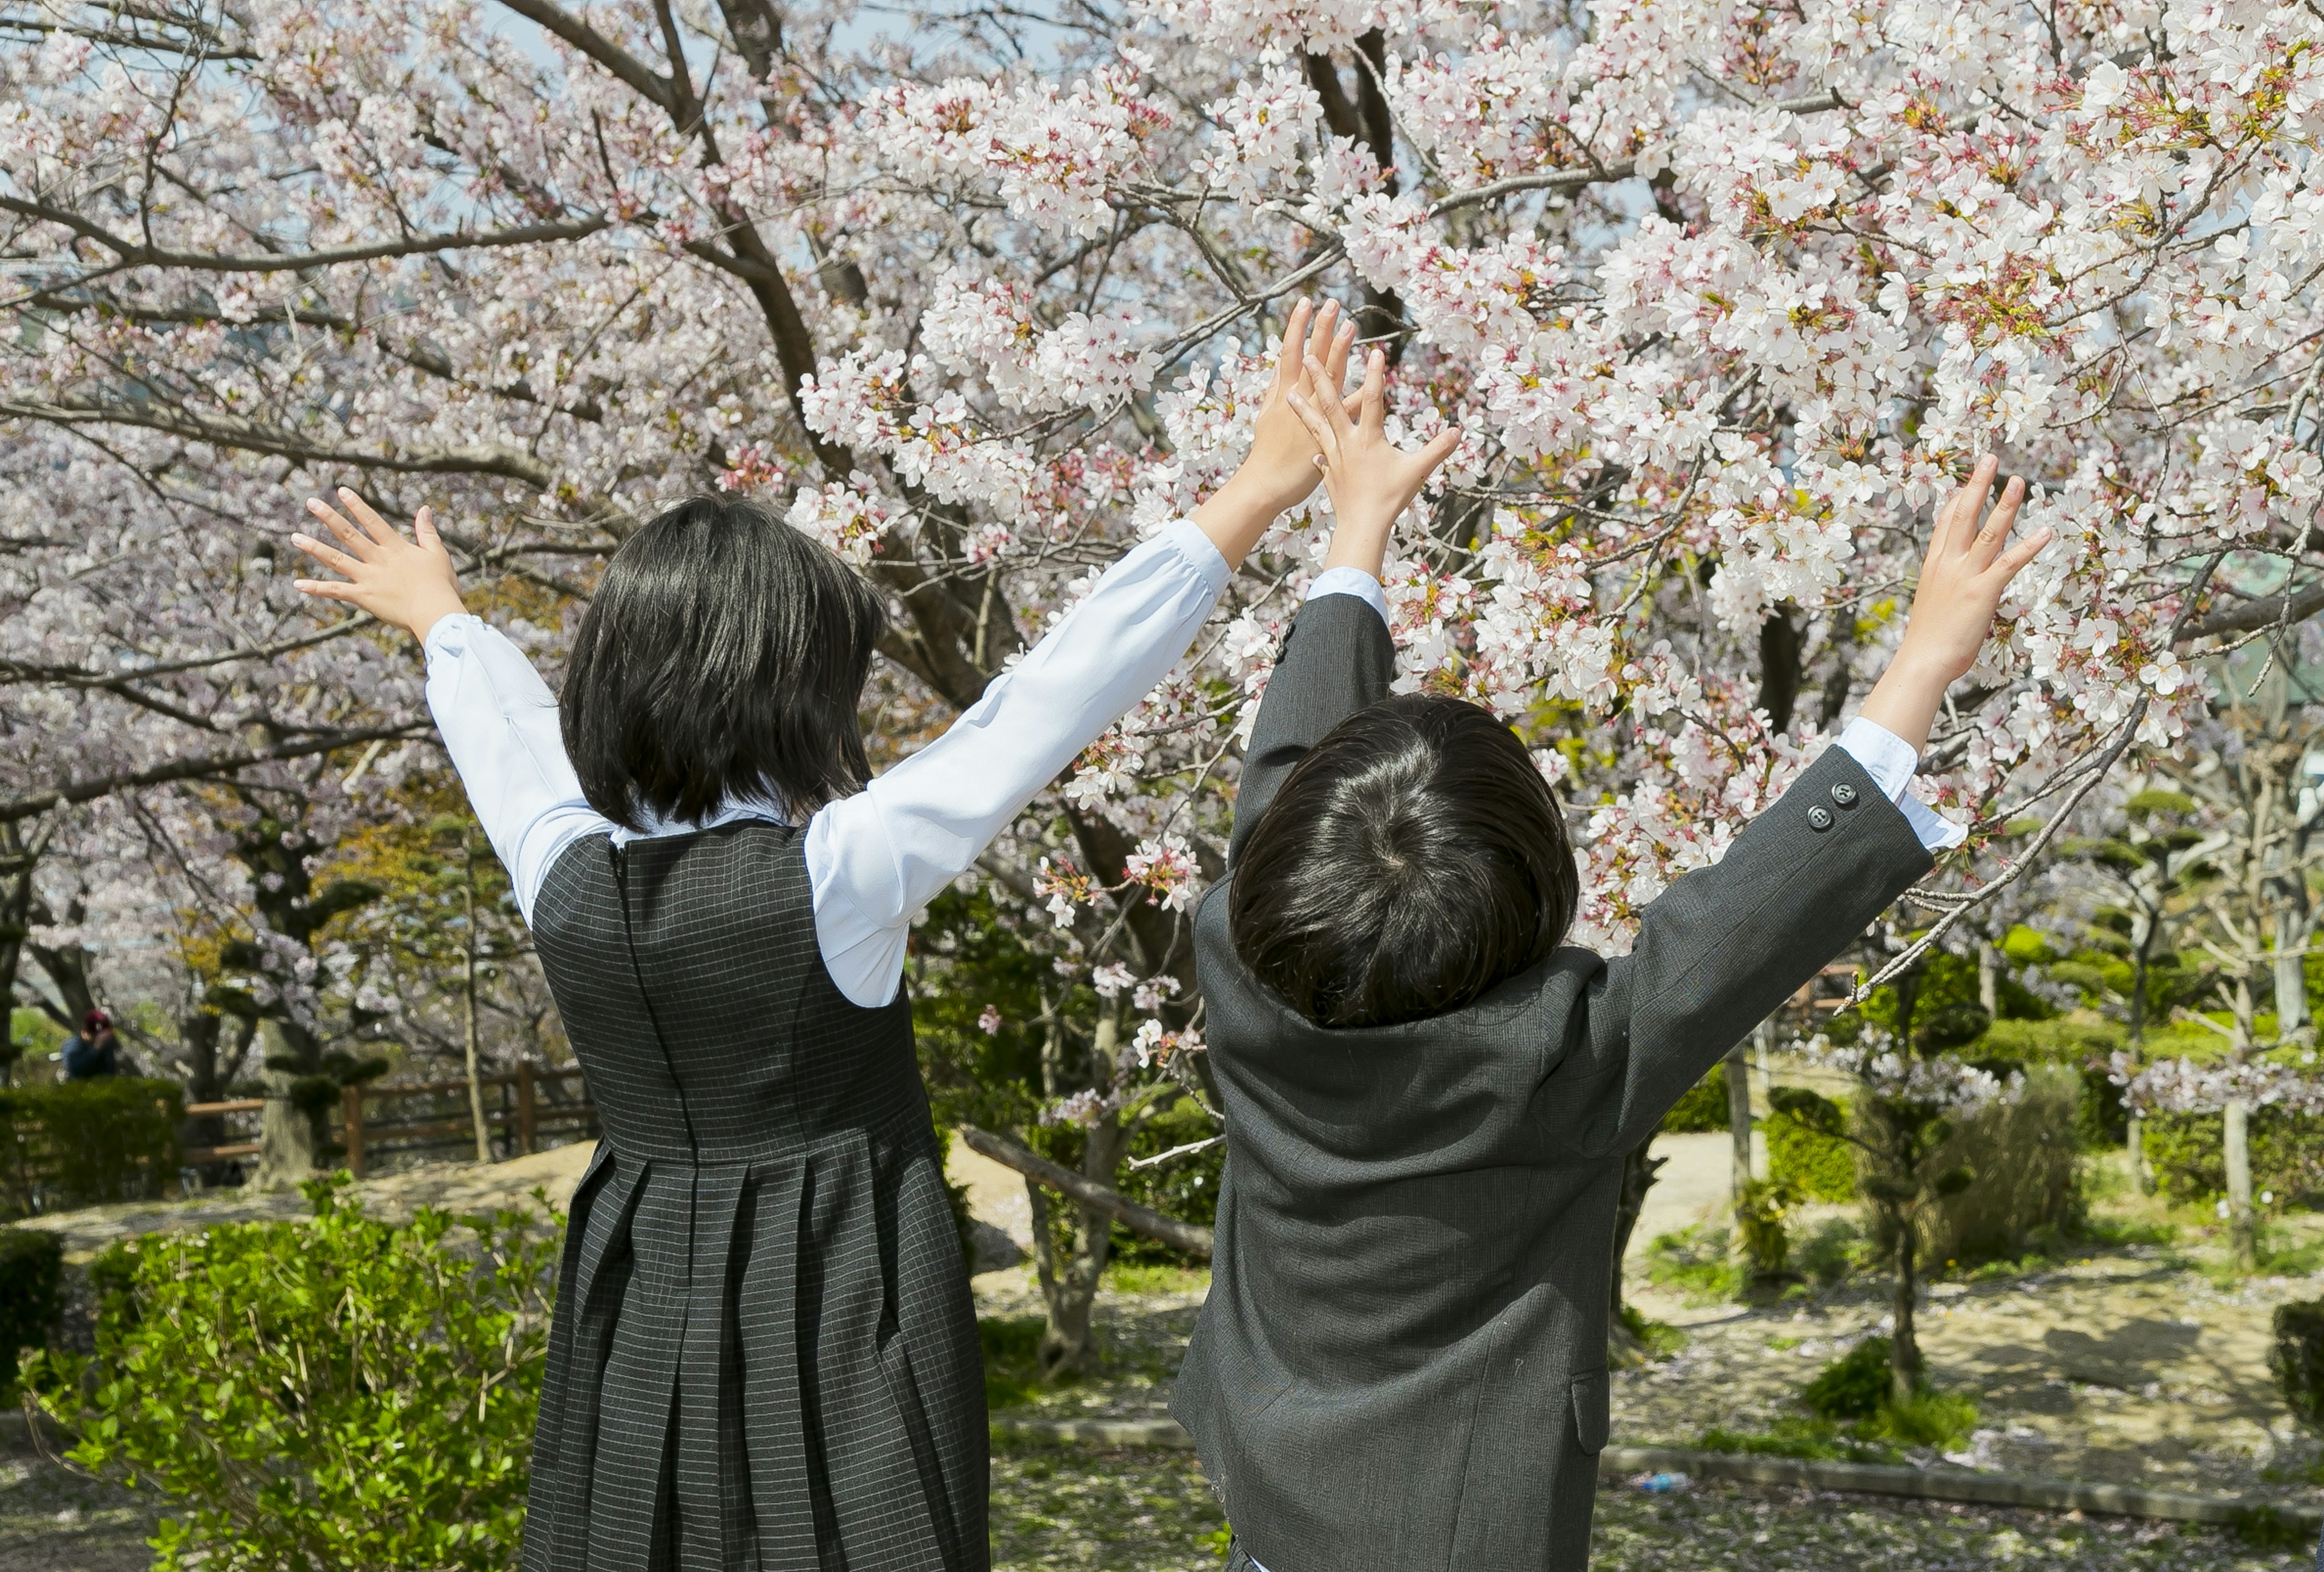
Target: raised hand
(1371, 481)
(1962, 578)
(1282, 449)
(410, 583)
(1279, 471)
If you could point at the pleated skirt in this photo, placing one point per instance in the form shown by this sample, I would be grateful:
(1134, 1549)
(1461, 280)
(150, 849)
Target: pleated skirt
(761, 1363)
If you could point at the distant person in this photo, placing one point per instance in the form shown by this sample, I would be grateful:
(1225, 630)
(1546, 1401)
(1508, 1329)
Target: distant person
(94, 1052)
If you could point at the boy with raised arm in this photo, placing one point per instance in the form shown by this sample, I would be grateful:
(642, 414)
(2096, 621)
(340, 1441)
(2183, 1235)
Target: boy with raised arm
(1402, 1362)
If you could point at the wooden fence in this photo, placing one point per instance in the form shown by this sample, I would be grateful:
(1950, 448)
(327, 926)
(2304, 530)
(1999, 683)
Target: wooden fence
(375, 1119)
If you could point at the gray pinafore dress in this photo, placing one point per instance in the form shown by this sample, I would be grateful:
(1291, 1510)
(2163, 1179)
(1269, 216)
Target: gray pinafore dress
(764, 1354)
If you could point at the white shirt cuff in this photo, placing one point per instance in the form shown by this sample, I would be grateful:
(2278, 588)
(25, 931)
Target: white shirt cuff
(1891, 761)
(450, 636)
(1186, 537)
(1353, 581)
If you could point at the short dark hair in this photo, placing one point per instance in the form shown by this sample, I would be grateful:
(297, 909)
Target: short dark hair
(723, 656)
(1414, 859)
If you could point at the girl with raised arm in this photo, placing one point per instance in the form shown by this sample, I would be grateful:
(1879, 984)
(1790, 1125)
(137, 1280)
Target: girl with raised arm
(764, 1354)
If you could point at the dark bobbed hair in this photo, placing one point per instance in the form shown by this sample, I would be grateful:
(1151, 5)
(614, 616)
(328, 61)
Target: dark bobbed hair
(1413, 860)
(723, 656)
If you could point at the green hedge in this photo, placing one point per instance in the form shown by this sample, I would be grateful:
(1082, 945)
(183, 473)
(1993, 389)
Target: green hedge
(343, 1392)
(2188, 1153)
(1822, 1168)
(32, 1265)
(2024, 1177)
(84, 1143)
(1703, 1109)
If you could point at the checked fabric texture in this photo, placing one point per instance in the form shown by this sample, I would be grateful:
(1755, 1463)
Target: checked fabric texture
(764, 1352)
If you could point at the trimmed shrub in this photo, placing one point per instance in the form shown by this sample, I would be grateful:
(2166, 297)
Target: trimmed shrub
(31, 1267)
(1816, 1166)
(342, 1393)
(1858, 1387)
(1852, 1386)
(1703, 1109)
(1759, 1213)
(85, 1143)
(2189, 1155)
(2296, 1359)
(2024, 1177)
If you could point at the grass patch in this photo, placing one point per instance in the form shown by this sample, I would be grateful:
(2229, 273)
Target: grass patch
(1832, 1252)
(1857, 1389)
(2264, 1528)
(2128, 1231)
(1852, 1386)
(1694, 1263)
(1798, 1436)
(2284, 1253)
(1137, 1277)
(1657, 1339)
(1012, 1360)
(1933, 1419)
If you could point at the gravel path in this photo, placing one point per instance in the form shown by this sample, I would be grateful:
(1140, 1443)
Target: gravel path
(1060, 1510)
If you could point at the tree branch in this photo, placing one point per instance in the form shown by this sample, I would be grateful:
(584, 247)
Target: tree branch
(1191, 1237)
(208, 764)
(135, 253)
(2266, 612)
(250, 436)
(1576, 180)
(598, 47)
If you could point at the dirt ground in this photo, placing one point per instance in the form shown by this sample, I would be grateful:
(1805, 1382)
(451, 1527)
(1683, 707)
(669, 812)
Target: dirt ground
(51, 1520)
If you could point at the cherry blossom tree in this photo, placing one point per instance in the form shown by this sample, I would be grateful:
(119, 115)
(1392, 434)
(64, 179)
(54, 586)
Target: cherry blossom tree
(1722, 295)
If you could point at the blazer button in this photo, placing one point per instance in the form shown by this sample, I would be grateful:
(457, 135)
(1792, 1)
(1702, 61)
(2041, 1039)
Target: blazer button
(1843, 793)
(1819, 818)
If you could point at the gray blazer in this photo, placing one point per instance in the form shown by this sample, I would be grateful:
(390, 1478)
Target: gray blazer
(1402, 1364)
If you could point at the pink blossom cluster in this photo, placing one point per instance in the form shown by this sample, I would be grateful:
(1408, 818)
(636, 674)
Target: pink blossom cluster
(1722, 299)
(1875, 1062)
(2183, 1086)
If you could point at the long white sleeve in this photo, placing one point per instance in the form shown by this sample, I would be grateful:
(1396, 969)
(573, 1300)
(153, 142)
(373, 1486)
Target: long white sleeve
(499, 721)
(1886, 757)
(877, 857)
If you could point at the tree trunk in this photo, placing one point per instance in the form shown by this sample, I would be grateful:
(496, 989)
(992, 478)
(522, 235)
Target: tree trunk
(1780, 650)
(1763, 1047)
(1989, 978)
(1738, 1118)
(1905, 1346)
(67, 973)
(476, 1087)
(197, 1042)
(2136, 1142)
(2243, 1233)
(1070, 1253)
(286, 1133)
(2290, 962)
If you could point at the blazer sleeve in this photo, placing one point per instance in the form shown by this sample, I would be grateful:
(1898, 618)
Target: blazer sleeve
(1336, 660)
(1719, 950)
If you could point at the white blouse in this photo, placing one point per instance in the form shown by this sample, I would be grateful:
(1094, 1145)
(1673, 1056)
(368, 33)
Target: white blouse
(875, 858)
